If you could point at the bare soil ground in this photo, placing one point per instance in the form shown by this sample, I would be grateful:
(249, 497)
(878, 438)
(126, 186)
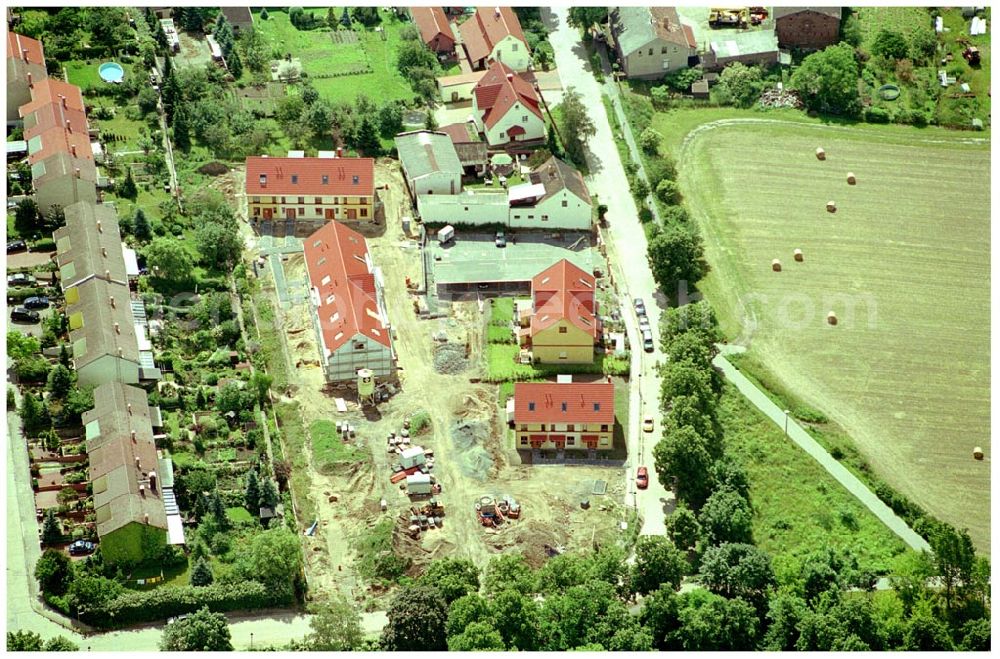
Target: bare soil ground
(348, 501)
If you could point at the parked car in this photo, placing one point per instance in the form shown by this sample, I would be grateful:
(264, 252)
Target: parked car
(37, 302)
(501, 239)
(16, 246)
(647, 424)
(642, 478)
(644, 324)
(640, 306)
(22, 315)
(20, 279)
(81, 548)
(647, 340)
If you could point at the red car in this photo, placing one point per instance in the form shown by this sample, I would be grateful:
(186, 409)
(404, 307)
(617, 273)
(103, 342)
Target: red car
(642, 478)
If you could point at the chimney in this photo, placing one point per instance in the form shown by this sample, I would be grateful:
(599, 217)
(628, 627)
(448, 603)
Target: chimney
(133, 436)
(69, 127)
(340, 152)
(118, 328)
(107, 273)
(142, 493)
(121, 353)
(145, 516)
(72, 149)
(111, 300)
(63, 97)
(99, 229)
(104, 253)
(138, 462)
(24, 54)
(510, 76)
(152, 481)
(129, 408)
(496, 12)
(77, 172)
(30, 82)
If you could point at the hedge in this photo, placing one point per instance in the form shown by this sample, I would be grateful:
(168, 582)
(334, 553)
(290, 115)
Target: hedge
(135, 607)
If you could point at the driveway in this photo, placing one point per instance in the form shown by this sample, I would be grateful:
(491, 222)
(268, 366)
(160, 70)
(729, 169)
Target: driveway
(28, 259)
(627, 246)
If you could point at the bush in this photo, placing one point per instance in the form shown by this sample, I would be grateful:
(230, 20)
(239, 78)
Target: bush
(135, 607)
(877, 115)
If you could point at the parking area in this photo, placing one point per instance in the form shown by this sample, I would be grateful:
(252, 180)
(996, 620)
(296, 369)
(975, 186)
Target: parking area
(31, 329)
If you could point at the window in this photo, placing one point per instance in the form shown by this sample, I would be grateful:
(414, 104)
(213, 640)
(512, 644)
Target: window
(302, 212)
(326, 179)
(318, 200)
(543, 427)
(359, 345)
(531, 407)
(531, 217)
(302, 200)
(355, 180)
(517, 217)
(319, 211)
(562, 355)
(524, 118)
(545, 218)
(282, 200)
(563, 330)
(570, 428)
(570, 441)
(604, 427)
(501, 134)
(524, 441)
(513, 48)
(256, 211)
(295, 179)
(650, 51)
(565, 204)
(663, 51)
(524, 426)
(666, 64)
(563, 406)
(597, 407)
(364, 212)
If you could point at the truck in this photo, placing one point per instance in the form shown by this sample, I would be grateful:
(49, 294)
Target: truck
(445, 234)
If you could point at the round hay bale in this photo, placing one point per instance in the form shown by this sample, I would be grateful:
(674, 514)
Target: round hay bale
(977, 453)
(831, 318)
(820, 153)
(798, 255)
(831, 207)
(776, 265)
(851, 180)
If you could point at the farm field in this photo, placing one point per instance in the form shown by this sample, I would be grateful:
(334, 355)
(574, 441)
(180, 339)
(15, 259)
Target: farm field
(341, 69)
(904, 263)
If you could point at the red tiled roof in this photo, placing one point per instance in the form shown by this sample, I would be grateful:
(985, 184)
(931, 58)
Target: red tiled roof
(689, 34)
(564, 291)
(461, 133)
(431, 22)
(57, 140)
(52, 115)
(51, 90)
(344, 176)
(341, 275)
(17, 44)
(488, 27)
(570, 402)
(498, 91)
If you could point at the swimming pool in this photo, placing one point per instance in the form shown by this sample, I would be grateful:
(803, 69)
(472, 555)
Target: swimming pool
(111, 72)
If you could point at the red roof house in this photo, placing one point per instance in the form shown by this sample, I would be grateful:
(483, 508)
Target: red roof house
(310, 176)
(494, 33)
(564, 403)
(350, 317)
(564, 291)
(435, 30)
(25, 66)
(506, 107)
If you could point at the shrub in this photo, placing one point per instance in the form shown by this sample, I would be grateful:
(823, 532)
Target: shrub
(877, 115)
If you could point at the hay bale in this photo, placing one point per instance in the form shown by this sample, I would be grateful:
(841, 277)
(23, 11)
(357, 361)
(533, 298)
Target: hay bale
(798, 255)
(831, 207)
(820, 153)
(977, 453)
(776, 265)
(831, 318)
(851, 180)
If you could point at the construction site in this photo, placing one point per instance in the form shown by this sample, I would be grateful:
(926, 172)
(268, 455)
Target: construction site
(418, 466)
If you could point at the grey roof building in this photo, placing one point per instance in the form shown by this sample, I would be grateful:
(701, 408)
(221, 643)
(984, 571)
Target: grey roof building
(102, 332)
(651, 41)
(430, 162)
(89, 245)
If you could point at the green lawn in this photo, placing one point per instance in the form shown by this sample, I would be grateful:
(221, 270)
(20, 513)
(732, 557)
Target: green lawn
(329, 450)
(501, 311)
(905, 264)
(798, 507)
(495, 334)
(239, 514)
(898, 19)
(501, 365)
(366, 67)
(84, 74)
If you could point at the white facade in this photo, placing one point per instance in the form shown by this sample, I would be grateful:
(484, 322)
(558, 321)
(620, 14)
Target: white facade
(563, 210)
(517, 115)
(360, 352)
(513, 52)
(436, 183)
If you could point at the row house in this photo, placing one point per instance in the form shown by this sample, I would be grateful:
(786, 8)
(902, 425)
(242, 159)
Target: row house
(297, 196)
(89, 246)
(564, 415)
(347, 302)
(25, 66)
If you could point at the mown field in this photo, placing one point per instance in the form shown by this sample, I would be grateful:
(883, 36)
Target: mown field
(904, 263)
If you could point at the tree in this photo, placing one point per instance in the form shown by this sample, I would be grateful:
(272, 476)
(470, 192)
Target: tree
(683, 528)
(585, 17)
(147, 100)
(509, 571)
(88, 593)
(268, 494)
(218, 510)
(202, 631)
(255, 53)
(218, 245)
(726, 517)
(26, 215)
(412, 55)
(464, 611)
(273, 558)
(168, 260)
(683, 454)
(657, 562)
(740, 84)
(51, 528)
(828, 81)
(259, 385)
(235, 64)
(390, 119)
(331, 18)
(976, 635)
(252, 495)
(54, 572)
(60, 644)
(552, 144)
(785, 611)
(954, 557)
(263, 13)
(681, 80)
(706, 621)
(454, 577)
(368, 141)
(517, 619)
(416, 620)
(127, 188)
(738, 570)
(649, 141)
(926, 631)
(182, 130)
(319, 118)
(336, 627)
(201, 573)
(24, 641)
(668, 192)
(890, 44)
(576, 126)
(367, 16)
(60, 381)
(819, 573)
(676, 255)
(478, 636)
(142, 231)
(34, 415)
(22, 346)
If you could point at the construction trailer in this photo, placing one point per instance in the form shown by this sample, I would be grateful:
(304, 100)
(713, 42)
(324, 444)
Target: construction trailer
(419, 483)
(412, 457)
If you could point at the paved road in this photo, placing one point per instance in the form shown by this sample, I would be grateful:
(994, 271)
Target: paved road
(805, 441)
(627, 249)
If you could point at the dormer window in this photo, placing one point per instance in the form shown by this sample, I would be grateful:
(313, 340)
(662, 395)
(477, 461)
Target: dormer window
(263, 180)
(564, 407)
(295, 179)
(531, 407)
(355, 179)
(326, 179)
